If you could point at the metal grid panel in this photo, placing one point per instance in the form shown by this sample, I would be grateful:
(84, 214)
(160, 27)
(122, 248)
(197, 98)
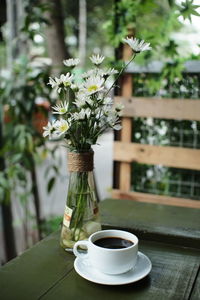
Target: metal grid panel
(166, 181)
(158, 179)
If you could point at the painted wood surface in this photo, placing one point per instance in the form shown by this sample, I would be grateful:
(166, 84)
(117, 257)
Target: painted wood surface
(177, 109)
(174, 225)
(172, 276)
(126, 152)
(126, 135)
(152, 198)
(195, 294)
(162, 155)
(37, 270)
(46, 271)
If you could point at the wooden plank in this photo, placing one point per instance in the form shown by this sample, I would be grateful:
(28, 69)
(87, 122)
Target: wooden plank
(179, 109)
(152, 198)
(46, 271)
(172, 277)
(35, 271)
(126, 134)
(148, 154)
(196, 289)
(125, 176)
(157, 222)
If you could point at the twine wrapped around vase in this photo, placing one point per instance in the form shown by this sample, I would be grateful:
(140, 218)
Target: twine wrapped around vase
(80, 162)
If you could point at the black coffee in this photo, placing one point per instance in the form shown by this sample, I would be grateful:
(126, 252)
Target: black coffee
(113, 243)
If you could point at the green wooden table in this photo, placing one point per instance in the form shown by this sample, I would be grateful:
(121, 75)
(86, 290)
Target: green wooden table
(169, 236)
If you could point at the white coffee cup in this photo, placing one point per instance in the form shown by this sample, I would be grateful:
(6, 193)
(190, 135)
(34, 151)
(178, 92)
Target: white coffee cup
(107, 260)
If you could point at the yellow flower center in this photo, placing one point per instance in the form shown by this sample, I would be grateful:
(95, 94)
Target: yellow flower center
(63, 110)
(92, 88)
(64, 127)
(66, 83)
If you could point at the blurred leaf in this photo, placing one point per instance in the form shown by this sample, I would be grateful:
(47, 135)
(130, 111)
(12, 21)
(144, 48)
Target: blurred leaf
(48, 169)
(172, 71)
(171, 49)
(4, 183)
(2, 194)
(187, 9)
(30, 144)
(22, 144)
(16, 158)
(171, 2)
(51, 184)
(52, 224)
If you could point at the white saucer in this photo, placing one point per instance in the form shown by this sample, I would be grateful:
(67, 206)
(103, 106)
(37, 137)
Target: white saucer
(142, 268)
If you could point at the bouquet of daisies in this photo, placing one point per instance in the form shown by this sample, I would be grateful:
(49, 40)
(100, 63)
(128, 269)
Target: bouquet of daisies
(86, 109)
(85, 112)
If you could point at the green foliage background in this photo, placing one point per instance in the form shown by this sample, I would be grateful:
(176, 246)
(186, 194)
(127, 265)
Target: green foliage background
(155, 21)
(107, 23)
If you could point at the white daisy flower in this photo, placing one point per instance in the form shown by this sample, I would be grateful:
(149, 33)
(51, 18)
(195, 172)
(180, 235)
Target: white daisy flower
(71, 62)
(54, 83)
(111, 71)
(93, 72)
(108, 101)
(88, 74)
(81, 93)
(74, 87)
(89, 101)
(119, 107)
(117, 127)
(106, 109)
(61, 108)
(66, 79)
(61, 126)
(112, 118)
(93, 85)
(79, 102)
(137, 45)
(102, 122)
(100, 95)
(49, 129)
(62, 82)
(82, 114)
(97, 59)
(81, 99)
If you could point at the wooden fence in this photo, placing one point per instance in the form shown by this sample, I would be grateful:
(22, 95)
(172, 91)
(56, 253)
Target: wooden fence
(126, 152)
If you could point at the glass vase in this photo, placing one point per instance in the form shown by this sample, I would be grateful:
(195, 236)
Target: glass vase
(81, 216)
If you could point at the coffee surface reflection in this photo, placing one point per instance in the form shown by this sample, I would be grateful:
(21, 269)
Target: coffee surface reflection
(113, 243)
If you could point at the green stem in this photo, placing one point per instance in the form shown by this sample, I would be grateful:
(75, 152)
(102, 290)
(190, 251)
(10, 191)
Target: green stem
(81, 203)
(121, 71)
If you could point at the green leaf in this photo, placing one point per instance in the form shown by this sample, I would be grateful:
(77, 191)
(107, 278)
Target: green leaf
(22, 144)
(2, 194)
(188, 8)
(4, 183)
(56, 169)
(171, 3)
(30, 144)
(16, 158)
(50, 184)
(171, 49)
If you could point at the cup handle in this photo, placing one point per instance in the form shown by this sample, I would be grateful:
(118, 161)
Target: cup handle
(77, 252)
